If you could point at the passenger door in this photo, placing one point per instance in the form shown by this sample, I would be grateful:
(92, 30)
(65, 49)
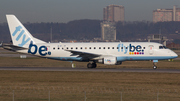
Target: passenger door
(151, 49)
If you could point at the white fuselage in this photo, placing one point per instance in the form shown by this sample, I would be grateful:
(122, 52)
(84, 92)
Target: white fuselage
(124, 51)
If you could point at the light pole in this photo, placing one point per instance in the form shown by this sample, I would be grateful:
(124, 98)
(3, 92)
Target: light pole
(51, 35)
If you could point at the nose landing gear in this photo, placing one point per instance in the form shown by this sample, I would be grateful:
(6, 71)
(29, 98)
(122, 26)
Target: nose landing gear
(154, 63)
(154, 67)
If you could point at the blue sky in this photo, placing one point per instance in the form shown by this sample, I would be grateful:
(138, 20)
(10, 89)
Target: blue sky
(68, 10)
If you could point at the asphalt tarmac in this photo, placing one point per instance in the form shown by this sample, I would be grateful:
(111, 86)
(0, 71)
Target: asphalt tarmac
(5, 53)
(90, 70)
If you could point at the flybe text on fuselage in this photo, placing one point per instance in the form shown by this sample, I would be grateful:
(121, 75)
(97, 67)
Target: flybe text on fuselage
(133, 50)
(42, 50)
(21, 34)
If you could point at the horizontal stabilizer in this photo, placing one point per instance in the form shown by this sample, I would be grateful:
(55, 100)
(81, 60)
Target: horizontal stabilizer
(13, 47)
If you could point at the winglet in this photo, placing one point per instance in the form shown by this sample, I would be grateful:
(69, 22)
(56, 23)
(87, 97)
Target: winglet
(1, 45)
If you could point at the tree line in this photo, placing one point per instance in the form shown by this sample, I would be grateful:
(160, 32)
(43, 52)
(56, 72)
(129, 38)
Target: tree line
(89, 29)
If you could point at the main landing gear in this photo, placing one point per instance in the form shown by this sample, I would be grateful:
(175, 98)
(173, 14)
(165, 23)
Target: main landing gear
(92, 65)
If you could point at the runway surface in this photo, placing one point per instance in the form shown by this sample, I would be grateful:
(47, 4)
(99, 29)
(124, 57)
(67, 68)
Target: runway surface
(90, 70)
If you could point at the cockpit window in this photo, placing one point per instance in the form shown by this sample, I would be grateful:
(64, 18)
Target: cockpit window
(162, 47)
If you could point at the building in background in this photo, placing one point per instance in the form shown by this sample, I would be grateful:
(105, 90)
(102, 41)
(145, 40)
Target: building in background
(113, 13)
(177, 14)
(108, 30)
(162, 15)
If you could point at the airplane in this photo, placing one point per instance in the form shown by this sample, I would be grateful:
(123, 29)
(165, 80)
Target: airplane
(108, 53)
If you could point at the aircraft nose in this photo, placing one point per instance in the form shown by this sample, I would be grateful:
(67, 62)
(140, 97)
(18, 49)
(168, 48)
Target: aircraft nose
(174, 55)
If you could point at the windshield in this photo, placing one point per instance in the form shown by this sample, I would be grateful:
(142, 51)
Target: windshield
(162, 47)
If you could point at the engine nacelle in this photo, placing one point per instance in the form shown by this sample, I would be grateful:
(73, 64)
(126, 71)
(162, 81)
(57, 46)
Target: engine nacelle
(110, 60)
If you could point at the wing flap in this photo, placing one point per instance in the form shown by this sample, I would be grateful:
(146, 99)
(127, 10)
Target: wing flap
(83, 54)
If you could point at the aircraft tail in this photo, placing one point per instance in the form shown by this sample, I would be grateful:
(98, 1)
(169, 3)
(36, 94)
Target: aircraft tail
(19, 34)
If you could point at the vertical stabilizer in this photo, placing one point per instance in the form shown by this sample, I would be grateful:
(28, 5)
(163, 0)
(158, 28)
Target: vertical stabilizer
(19, 34)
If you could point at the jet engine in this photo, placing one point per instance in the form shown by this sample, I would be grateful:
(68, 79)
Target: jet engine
(110, 61)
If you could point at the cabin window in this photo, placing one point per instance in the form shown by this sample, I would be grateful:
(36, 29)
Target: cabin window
(67, 48)
(117, 47)
(81, 48)
(71, 47)
(76, 48)
(62, 48)
(58, 47)
(108, 47)
(112, 47)
(94, 47)
(99, 47)
(85, 47)
(144, 47)
(126, 47)
(54, 48)
(121, 47)
(89, 47)
(104, 48)
(139, 47)
(134, 47)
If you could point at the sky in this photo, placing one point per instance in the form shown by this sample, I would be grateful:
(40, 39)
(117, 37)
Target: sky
(63, 11)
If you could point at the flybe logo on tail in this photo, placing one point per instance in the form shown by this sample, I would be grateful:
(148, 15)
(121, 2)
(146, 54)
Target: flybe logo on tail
(133, 50)
(21, 34)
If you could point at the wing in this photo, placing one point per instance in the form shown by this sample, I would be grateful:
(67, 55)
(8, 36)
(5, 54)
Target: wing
(84, 55)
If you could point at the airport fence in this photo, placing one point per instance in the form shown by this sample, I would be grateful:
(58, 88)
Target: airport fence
(60, 93)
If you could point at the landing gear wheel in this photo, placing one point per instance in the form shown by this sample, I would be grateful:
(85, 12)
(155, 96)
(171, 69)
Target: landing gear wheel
(89, 65)
(154, 67)
(94, 65)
